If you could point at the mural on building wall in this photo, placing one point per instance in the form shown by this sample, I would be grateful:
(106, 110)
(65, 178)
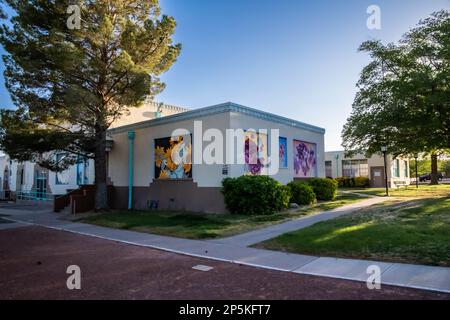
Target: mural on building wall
(173, 158)
(305, 159)
(255, 153)
(283, 153)
(62, 177)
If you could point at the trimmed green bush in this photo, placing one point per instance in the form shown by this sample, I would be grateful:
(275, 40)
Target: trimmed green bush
(302, 193)
(362, 182)
(324, 188)
(255, 195)
(358, 182)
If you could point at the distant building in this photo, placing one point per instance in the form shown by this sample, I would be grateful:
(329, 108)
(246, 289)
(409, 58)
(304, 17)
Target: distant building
(338, 165)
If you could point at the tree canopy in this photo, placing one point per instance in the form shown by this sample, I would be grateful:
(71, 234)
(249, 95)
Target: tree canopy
(70, 84)
(403, 100)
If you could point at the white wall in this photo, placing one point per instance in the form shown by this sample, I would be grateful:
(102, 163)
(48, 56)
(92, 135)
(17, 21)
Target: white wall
(285, 175)
(144, 146)
(204, 175)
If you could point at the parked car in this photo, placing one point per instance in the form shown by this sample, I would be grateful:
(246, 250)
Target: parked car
(427, 177)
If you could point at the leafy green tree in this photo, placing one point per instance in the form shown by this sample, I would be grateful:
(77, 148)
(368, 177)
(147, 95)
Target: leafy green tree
(403, 100)
(445, 167)
(71, 82)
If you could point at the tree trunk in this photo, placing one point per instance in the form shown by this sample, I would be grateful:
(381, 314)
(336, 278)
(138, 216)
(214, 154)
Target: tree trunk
(101, 193)
(434, 169)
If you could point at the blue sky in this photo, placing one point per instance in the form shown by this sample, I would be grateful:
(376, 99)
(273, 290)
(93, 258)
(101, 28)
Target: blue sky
(294, 58)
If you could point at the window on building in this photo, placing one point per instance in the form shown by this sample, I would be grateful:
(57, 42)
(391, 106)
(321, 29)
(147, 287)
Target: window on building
(406, 168)
(328, 169)
(355, 168)
(396, 168)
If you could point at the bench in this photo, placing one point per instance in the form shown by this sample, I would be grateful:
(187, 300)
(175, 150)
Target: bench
(399, 184)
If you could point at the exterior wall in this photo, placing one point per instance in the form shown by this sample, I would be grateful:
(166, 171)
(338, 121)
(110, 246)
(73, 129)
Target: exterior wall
(29, 175)
(147, 112)
(3, 164)
(202, 192)
(284, 175)
(376, 160)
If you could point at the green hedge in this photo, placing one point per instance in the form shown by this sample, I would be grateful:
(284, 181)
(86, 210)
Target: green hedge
(301, 193)
(324, 188)
(255, 195)
(358, 182)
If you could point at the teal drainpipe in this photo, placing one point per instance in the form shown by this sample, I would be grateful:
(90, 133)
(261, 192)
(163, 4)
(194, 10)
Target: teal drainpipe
(131, 136)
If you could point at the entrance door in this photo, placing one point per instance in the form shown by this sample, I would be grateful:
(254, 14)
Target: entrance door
(377, 177)
(41, 186)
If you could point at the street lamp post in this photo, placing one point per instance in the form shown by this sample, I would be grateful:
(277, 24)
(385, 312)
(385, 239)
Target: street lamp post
(416, 157)
(384, 150)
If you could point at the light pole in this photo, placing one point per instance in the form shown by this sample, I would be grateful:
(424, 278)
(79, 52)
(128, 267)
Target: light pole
(337, 165)
(416, 157)
(384, 150)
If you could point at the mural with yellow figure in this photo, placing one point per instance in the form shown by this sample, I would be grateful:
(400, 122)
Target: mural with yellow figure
(173, 158)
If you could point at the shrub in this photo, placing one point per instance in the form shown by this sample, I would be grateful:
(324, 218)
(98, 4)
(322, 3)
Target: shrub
(325, 189)
(362, 182)
(358, 182)
(301, 193)
(255, 195)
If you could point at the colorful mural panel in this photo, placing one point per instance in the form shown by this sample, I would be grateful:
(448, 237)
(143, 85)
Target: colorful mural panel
(256, 153)
(173, 158)
(283, 153)
(305, 159)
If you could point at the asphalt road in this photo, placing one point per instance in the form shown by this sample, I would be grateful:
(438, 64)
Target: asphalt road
(34, 260)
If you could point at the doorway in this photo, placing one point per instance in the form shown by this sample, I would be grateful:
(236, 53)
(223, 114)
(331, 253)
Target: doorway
(41, 185)
(377, 177)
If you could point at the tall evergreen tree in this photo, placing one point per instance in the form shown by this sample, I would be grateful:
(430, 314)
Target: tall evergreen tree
(73, 68)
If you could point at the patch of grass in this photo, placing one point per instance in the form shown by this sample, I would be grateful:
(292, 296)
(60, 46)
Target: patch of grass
(413, 231)
(424, 191)
(204, 226)
(341, 200)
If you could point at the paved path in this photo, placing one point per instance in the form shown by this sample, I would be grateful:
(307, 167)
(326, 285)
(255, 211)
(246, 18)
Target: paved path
(404, 275)
(256, 236)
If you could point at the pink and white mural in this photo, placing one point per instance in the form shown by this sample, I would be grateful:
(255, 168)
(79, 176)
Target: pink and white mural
(305, 159)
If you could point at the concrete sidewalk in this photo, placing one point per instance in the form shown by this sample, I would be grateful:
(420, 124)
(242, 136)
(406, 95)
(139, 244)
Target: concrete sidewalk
(256, 236)
(404, 275)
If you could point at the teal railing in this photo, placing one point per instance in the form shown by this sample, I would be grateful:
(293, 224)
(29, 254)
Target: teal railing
(34, 195)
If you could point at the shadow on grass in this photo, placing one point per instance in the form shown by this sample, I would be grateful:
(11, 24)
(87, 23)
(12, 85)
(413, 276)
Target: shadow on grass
(416, 231)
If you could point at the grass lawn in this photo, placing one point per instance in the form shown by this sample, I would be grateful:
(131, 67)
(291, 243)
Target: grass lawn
(413, 228)
(203, 226)
(411, 191)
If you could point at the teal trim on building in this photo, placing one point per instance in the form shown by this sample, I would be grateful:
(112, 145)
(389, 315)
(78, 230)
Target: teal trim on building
(131, 136)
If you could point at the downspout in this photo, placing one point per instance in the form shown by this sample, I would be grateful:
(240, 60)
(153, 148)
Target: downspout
(131, 135)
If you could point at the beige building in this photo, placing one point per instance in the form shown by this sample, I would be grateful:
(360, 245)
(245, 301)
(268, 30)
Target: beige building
(144, 174)
(338, 165)
(150, 110)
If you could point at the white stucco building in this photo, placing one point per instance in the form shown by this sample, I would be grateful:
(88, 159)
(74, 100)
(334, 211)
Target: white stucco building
(142, 172)
(27, 180)
(337, 164)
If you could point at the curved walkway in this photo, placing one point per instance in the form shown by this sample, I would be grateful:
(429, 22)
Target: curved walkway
(235, 250)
